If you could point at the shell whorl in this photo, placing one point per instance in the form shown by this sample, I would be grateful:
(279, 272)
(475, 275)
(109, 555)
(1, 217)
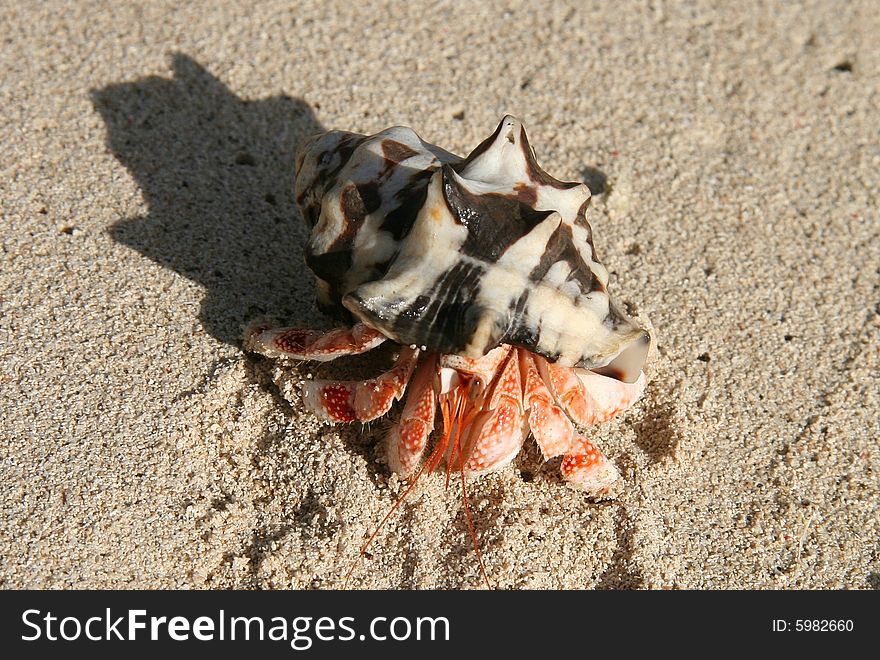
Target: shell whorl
(461, 255)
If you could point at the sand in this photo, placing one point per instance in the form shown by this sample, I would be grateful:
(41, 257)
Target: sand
(147, 216)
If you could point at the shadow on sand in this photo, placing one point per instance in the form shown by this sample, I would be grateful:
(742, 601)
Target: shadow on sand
(217, 174)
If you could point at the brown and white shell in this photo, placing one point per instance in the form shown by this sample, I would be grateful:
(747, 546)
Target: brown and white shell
(460, 255)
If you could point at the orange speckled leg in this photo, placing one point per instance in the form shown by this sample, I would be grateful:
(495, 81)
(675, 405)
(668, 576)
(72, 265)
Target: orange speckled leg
(553, 431)
(584, 466)
(347, 401)
(568, 391)
(304, 344)
(409, 437)
(497, 434)
(587, 469)
(588, 397)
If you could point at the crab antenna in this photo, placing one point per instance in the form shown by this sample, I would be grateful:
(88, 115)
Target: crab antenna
(455, 448)
(464, 424)
(470, 522)
(443, 444)
(388, 515)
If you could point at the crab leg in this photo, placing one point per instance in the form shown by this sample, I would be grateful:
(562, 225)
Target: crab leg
(409, 437)
(551, 427)
(588, 397)
(347, 401)
(304, 344)
(567, 389)
(587, 469)
(497, 433)
(584, 467)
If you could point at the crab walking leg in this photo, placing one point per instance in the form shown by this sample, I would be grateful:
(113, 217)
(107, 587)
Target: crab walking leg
(586, 468)
(497, 434)
(304, 344)
(588, 397)
(567, 389)
(409, 437)
(347, 401)
(551, 427)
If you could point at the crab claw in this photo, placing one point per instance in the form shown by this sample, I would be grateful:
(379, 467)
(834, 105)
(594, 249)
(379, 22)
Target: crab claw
(347, 401)
(587, 469)
(497, 434)
(409, 437)
(304, 344)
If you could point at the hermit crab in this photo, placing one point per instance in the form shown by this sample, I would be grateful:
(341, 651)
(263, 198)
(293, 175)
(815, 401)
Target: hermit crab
(482, 269)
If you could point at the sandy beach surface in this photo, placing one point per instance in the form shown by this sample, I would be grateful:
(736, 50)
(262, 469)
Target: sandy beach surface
(148, 216)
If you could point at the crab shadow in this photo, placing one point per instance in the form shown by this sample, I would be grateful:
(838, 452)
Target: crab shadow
(216, 172)
(622, 572)
(657, 432)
